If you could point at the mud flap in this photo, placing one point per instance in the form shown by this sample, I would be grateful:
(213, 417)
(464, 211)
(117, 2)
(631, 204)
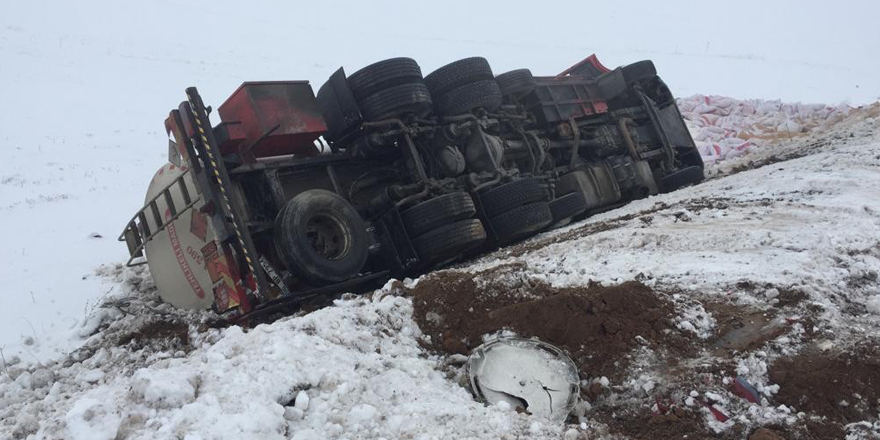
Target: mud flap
(672, 133)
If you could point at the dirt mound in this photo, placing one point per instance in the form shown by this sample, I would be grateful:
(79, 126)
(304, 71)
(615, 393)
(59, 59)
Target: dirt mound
(604, 329)
(163, 334)
(843, 387)
(679, 423)
(597, 325)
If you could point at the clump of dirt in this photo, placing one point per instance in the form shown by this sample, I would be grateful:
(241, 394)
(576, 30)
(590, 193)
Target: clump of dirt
(161, 334)
(597, 325)
(605, 328)
(843, 387)
(765, 434)
(790, 297)
(742, 329)
(786, 296)
(711, 203)
(676, 423)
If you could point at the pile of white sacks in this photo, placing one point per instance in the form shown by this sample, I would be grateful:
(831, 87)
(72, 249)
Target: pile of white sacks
(724, 127)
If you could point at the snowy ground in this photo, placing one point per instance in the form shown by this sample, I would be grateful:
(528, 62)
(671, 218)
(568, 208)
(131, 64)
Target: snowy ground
(85, 86)
(807, 220)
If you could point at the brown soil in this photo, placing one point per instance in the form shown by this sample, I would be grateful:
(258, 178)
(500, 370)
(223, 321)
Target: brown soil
(597, 325)
(765, 434)
(818, 384)
(588, 229)
(601, 327)
(165, 334)
(741, 329)
(788, 297)
(675, 424)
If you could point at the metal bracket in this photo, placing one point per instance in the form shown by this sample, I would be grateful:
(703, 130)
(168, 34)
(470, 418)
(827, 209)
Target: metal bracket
(206, 146)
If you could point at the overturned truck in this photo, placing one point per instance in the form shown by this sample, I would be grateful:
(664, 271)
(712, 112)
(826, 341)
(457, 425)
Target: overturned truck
(388, 173)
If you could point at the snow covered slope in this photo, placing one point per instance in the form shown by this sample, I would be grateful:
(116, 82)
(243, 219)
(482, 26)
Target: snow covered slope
(84, 87)
(358, 370)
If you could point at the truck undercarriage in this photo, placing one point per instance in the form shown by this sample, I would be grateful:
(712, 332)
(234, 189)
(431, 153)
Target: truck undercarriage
(259, 213)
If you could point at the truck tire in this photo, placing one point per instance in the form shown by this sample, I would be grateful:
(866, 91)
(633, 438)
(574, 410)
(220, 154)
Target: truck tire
(396, 101)
(438, 211)
(463, 99)
(521, 221)
(681, 178)
(567, 206)
(320, 237)
(501, 199)
(516, 83)
(457, 74)
(382, 75)
(449, 241)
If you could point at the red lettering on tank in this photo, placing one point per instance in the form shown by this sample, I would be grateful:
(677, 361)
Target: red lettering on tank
(181, 259)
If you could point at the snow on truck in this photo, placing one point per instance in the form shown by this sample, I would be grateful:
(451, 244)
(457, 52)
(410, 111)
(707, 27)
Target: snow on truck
(387, 173)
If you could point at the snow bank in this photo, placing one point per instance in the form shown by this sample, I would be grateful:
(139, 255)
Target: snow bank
(873, 304)
(70, 158)
(357, 369)
(808, 223)
(354, 370)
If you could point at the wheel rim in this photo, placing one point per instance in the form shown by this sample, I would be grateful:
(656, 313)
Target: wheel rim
(328, 236)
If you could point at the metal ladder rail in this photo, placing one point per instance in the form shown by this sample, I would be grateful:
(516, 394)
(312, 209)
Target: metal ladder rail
(138, 232)
(206, 146)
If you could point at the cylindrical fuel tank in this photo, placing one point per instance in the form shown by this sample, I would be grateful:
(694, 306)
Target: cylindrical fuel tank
(178, 255)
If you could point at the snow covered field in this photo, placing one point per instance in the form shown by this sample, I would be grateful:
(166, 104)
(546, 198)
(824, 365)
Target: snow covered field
(84, 87)
(358, 370)
(792, 207)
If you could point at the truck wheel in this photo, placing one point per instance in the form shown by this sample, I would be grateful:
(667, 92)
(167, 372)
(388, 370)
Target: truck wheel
(567, 206)
(449, 241)
(438, 211)
(463, 99)
(521, 221)
(396, 101)
(516, 83)
(510, 195)
(681, 178)
(320, 237)
(382, 75)
(457, 74)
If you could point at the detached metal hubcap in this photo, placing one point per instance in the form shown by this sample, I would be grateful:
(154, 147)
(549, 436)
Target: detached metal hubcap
(525, 373)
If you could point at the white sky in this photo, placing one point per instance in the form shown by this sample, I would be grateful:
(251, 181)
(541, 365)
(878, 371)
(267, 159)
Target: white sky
(67, 57)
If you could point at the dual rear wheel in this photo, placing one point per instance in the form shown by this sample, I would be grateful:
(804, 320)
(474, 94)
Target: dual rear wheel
(390, 89)
(443, 228)
(517, 209)
(463, 86)
(322, 239)
(395, 87)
